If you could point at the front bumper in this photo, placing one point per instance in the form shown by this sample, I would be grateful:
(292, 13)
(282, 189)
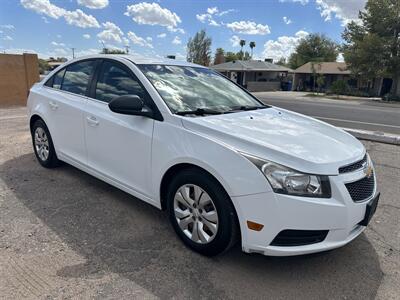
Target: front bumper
(340, 215)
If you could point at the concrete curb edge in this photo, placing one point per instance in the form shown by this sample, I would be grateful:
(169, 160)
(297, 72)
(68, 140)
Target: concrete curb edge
(374, 136)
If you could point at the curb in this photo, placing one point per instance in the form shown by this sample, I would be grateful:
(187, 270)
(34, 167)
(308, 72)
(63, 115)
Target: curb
(375, 136)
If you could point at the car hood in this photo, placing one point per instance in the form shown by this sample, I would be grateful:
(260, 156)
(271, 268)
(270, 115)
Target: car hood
(285, 137)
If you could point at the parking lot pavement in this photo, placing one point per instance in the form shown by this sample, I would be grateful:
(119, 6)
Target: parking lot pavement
(65, 234)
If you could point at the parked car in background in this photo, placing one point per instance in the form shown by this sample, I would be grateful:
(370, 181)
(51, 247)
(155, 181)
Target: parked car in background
(225, 166)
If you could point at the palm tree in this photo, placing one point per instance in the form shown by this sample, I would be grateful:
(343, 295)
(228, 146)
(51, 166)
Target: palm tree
(242, 43)
(252, 45)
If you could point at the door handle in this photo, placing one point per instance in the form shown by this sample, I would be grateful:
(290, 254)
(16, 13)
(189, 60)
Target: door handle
(53, 105)
(92, 121)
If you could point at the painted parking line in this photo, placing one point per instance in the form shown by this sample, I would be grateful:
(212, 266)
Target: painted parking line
(357, 122)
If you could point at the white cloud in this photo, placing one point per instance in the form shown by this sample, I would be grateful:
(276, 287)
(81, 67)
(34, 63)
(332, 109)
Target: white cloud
(44, 7)
(45, 20)
(212, 10)
(177, 29)
(176, 41)
(203, 17)
(86, 36)
(211, 13)
(284, 46)
(149, 38)
(7, 38)
(111, 33)
(60, 52)
(286, 20)
(161, 35)
(80, 19)
(302, 2)
(139, 40)
(248, 27)
(235, 41)
(344, 10)
(214, 23)
(7, 26)
(340, 58)
(89, 51)
(58, 44)
(224, 12)
(76, 17)
(1, 31)
(93, 4)
(58, 36)
(153, 14)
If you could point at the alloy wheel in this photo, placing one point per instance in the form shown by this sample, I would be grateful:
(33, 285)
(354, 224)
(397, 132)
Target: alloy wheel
(41, 143)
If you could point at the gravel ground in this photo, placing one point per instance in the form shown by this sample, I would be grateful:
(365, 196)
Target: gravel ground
(65, 234)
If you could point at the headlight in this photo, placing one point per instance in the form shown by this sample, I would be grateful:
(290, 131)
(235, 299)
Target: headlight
(284, 180)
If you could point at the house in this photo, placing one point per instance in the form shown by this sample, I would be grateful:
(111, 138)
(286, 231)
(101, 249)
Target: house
(304, 79)
(256, 75)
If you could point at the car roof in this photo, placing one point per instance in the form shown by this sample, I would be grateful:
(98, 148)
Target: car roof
(142, 60)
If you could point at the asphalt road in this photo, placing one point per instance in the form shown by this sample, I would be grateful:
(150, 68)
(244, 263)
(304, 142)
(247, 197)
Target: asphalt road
(367, 115)
(65, 234)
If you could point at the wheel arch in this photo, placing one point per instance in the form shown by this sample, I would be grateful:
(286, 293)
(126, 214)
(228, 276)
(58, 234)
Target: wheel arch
(175, 169)
(33, 119)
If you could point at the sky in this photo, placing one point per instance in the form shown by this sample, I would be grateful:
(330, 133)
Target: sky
(159, 28)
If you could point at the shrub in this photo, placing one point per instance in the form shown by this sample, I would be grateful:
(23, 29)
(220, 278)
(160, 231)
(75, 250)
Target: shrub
(339, 87)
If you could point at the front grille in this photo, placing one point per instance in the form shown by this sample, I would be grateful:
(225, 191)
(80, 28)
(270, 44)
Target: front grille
(362, 189)
(287, 238)
(354, 166)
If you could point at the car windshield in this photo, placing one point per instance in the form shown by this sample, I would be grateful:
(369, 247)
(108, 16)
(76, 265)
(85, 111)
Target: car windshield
(192, 89)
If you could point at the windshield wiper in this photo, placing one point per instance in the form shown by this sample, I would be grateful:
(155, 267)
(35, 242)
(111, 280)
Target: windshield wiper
(248, 107)
(199, 112)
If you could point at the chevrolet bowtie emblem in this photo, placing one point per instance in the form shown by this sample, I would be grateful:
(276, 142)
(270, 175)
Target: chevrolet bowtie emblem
(368, 172)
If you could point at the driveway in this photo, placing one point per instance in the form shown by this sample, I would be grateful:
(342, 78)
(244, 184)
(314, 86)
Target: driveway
(355, 114)
(65, 234)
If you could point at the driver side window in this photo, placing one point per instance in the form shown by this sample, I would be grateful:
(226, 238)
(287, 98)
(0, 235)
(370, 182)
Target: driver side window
(115, 81)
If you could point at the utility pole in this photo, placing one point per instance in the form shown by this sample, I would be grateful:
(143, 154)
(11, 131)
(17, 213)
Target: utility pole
(73, 53)
(126, 48)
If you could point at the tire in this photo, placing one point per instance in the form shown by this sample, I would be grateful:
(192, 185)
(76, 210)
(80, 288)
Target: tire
(215, 234)
(43, 145)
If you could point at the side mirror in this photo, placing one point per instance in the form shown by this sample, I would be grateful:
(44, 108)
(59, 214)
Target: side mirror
(130, 105)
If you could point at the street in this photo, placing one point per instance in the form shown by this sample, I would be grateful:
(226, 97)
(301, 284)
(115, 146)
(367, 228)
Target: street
(65, 234)
(367, 115)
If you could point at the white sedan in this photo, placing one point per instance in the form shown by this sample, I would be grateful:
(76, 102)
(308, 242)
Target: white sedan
(225, 166)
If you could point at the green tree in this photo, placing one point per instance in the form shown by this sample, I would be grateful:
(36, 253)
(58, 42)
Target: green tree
(282, 62)
(199, 49)
(43, 66)
(372, 45)
(314, 47)
(112, 51)
(230, 56)
(219, 57)
(252, 45)
(241, 43)
(339, 87)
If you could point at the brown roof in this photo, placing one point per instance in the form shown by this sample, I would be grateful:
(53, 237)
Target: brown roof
(324, 68)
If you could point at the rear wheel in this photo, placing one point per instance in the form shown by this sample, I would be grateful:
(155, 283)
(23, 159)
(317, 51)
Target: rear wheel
(43, 145)
(201, 212)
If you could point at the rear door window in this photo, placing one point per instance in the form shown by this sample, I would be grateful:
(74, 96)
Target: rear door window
(77, 77)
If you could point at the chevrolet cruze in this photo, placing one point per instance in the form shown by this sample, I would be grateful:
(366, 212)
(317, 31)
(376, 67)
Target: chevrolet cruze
(225, 166)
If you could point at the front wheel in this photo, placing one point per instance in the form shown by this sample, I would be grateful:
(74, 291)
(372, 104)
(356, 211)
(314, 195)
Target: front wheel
(201, 212)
